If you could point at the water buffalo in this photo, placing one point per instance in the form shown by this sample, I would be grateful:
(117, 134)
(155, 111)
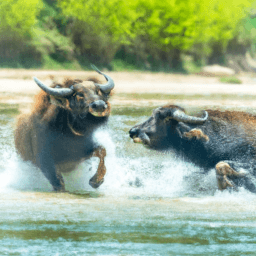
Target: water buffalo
(225, 140)
(58, 133)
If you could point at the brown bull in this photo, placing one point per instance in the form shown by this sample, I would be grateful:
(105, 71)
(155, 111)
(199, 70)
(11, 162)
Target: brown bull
(58, 133)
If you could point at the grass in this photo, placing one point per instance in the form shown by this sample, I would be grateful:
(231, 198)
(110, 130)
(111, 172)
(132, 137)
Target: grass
(190, 66)
(135, 111)
(120, 65)
(147, 111)
(230, 80)
(132, 111)
(9, 109)
(159, 96)
(51, 64)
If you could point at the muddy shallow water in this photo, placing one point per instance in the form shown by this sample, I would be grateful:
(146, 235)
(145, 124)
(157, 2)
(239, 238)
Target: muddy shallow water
(150, 204)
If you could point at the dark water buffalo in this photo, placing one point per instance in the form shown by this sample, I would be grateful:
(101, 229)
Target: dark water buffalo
(225, 140)
(58, 133)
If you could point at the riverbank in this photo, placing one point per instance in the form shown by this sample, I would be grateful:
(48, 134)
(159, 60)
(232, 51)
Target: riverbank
(138, 88)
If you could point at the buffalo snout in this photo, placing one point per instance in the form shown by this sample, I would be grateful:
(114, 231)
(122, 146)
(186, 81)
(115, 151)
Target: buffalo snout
(139, 136)
(98, 108)
(98, 105)
(134, 132)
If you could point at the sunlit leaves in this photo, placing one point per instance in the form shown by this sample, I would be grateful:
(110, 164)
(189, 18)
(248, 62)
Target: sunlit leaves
(150, 27)
(18, 16)
(181, 24)
(112, 17)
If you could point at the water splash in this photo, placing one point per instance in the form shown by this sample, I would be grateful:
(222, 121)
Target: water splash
(132, 171)
(19, 175)
(154, 175)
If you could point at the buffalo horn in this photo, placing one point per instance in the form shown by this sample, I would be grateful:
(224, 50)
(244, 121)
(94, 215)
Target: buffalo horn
(105, 88)
(180, 116)
(60, 92)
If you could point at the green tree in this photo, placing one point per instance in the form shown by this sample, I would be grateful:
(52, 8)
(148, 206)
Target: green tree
(153, 34)
(51, 39)
(217, 25)
(98, 28)
(17, 20)
(165, 29)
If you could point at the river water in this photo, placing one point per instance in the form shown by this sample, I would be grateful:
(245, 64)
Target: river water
(150, 204)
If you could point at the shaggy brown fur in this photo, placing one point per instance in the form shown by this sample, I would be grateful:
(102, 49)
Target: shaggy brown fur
(57, 134)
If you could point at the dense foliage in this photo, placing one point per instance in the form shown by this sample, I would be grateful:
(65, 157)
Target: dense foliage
(17, 21)
(98, 28)
(146, 34)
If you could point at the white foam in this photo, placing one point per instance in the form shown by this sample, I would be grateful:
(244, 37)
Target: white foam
(152, 175)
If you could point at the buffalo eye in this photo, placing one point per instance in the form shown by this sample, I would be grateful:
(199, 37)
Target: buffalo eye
(81, 95)
(99, 92)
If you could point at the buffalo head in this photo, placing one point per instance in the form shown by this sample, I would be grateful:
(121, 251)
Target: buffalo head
(81, 97)
(164, 124)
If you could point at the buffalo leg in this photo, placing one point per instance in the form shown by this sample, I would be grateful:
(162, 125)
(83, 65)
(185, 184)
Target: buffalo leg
(196, 134)
(228, 177)
(98, 177)
(45, 161)
(55, 178)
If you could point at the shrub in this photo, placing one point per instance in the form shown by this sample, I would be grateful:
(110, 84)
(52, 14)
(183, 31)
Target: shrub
(17, 20)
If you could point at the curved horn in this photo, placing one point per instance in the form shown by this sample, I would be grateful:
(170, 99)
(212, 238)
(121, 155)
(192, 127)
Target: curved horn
(62, 92)
(180, 116)
(106, 88)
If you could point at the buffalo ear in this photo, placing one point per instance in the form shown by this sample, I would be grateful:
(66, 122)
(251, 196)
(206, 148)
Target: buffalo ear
(162, 113)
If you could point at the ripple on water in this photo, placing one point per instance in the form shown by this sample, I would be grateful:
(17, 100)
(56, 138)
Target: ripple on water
(150, 204)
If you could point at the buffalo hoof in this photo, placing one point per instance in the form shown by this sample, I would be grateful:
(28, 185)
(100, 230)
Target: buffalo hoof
(224, 174)
(95, 184)
(59, 189)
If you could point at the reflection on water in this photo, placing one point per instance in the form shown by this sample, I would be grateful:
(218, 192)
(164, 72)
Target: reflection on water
(150, 204)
